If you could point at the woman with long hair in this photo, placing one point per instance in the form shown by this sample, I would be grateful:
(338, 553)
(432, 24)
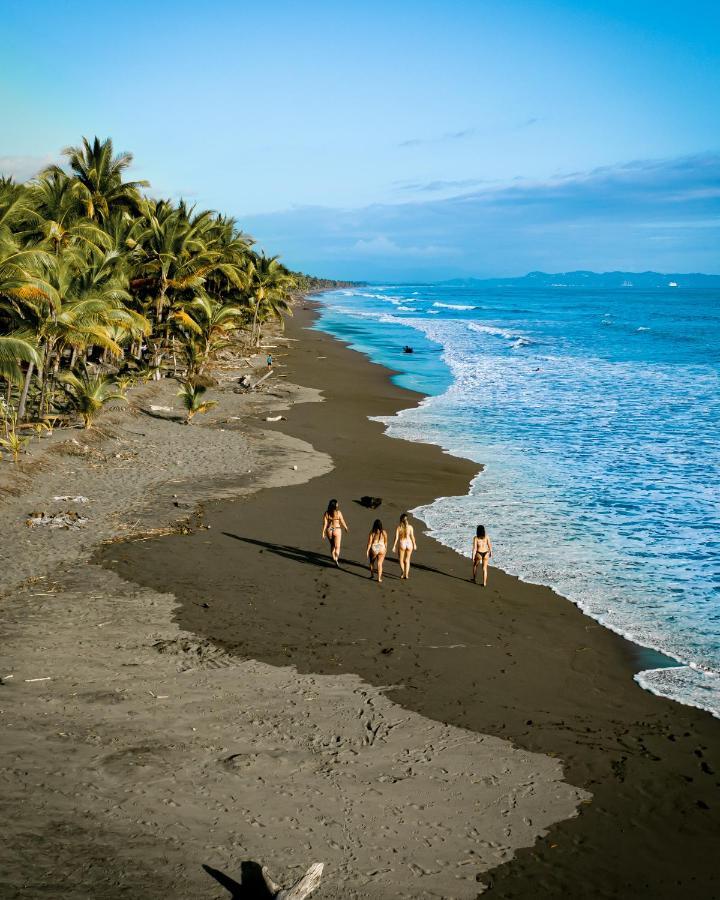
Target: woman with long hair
(377, 548)
(481, 554)
(333, 523)
(405, 542)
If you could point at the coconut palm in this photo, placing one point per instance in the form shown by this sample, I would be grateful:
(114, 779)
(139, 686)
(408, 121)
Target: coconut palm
(98, 178)
(56, 218)
(173, 253)
(90, 269)
(14, 349)
(192, 398)
(269, 284)
(24, 289)
(86, 394)
(88, 300)
(206, 325)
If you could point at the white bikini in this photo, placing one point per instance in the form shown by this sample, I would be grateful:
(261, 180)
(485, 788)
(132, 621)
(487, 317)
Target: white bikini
(405, 543)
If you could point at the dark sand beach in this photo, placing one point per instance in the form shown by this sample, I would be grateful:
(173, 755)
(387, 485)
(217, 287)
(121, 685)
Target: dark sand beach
(514, 660)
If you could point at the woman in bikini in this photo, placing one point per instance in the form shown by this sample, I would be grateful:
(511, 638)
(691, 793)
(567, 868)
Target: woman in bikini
(377, 548)
(333, 523)
(481, 553)
(405, 541)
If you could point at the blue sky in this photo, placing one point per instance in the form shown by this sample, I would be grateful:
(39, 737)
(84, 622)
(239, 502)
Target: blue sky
(396, 140)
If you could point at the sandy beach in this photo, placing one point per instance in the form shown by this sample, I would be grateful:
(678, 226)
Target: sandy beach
(218, 694)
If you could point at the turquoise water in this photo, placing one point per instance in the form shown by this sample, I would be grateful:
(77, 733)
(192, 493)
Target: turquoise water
(596, 414)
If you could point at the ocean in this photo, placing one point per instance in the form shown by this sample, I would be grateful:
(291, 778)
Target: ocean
(596, 416)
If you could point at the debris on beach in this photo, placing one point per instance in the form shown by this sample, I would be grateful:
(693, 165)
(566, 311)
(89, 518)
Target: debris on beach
(182, 527)
(56, 520)
(275, 419)
(72, 499)
(302, 888)
(370, 502)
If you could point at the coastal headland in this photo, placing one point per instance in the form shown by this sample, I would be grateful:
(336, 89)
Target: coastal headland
(218, 693)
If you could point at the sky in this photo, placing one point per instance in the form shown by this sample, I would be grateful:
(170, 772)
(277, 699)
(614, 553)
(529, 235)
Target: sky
(395, 140)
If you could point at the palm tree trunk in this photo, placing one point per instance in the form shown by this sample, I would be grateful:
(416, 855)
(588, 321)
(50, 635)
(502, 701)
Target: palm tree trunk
(8, 398)
(45, 379)
(254, 324)
(160, 302)
(25, 388)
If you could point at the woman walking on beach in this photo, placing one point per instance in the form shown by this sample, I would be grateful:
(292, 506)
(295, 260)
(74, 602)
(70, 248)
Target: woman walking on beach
(481, 553)
(377, 548)
(405, 541)
(333, 523)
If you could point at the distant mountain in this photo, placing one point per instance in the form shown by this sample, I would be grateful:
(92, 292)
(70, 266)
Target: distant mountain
(595, 280)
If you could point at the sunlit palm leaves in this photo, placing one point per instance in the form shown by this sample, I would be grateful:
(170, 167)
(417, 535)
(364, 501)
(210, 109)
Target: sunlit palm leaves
(98, 179)
(14, 349)
(94, 276)
(87, 394)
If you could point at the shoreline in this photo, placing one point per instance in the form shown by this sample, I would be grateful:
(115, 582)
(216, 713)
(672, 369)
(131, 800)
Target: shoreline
(553, 681)
(647, 658)
(555, 467)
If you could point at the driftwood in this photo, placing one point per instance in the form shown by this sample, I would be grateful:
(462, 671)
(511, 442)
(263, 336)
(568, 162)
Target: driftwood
(260, 380)
(302, 888)
(246, 384)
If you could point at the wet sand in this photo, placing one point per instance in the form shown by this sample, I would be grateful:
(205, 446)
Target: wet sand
(514, 660)
(140, 759)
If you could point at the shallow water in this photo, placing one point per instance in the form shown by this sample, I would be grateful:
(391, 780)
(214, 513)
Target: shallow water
(596, 414)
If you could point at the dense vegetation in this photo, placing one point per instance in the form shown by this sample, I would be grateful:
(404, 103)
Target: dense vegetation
(101, 285)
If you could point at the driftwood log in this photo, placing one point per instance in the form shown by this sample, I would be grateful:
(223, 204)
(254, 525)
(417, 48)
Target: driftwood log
(260, 380)
(302, 888)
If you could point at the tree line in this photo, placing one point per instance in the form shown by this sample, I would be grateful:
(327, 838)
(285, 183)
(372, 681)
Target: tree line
(100, 285)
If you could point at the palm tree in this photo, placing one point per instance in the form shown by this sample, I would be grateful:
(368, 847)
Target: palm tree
(87, 394)
(270, 284)
(175, 256)
(206, 325)
(56, 217)
(192, 398)
(14, 349)
(98, 179)
(23, 286)
(88, 300)
(90, 268)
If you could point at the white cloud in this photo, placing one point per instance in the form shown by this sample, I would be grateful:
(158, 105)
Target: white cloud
(384, 246)
(21, 168)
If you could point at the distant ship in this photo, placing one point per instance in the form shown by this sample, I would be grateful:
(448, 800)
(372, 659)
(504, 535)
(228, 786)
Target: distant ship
(672, 283)
(626, 283)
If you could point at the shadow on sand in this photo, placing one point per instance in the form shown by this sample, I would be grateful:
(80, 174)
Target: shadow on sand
(312, 558)
(251, 887)
(297, 554)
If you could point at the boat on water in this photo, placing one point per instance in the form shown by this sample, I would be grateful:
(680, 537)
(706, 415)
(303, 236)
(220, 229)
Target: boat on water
(672, 284)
